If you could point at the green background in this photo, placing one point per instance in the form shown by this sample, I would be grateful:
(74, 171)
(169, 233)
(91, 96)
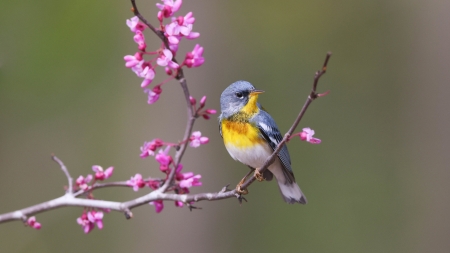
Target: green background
(379, 182)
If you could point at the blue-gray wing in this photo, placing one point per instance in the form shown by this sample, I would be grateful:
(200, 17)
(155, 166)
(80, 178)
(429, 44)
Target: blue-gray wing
(272, 135)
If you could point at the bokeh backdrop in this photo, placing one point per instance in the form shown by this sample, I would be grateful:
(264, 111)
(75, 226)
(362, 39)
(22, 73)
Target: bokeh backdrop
(379, 182)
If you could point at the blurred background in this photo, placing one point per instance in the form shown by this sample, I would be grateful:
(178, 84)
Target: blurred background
(379, 182)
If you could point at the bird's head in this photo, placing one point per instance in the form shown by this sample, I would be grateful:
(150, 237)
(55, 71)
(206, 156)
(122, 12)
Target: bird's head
(240, 96)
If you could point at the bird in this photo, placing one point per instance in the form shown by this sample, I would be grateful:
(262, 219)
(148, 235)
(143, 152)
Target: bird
(251, 135)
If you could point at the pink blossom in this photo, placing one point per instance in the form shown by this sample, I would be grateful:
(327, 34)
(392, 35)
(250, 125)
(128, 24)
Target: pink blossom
(96, 217)
(148, 74)
(136, 182)
(307, 135)
(173, 47)
(168, 8)
(135, 25)
(197, 139)
(193, 35)
(159, 205)
(185, 24)
(165, 58)
(187, 179)
(33, 223)
(152, 96)
(181, 27)
(140, 40)
(100, 174)
(82, 181)
(84, 222)
(179, 204)
(195, 58)
(133, 60)
(138, 68)
(190, 180)
(171, 37)
(148, 149)
(164, 159)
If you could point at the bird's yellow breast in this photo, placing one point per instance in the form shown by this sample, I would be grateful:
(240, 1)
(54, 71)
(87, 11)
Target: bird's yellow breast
(240, 134)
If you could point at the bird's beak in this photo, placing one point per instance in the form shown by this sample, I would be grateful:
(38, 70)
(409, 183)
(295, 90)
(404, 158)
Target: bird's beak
(256, 92)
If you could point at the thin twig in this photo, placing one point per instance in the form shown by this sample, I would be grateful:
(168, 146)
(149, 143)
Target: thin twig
(66, 171)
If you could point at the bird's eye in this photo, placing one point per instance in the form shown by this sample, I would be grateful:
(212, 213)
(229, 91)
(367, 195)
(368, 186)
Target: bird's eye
(239, 94)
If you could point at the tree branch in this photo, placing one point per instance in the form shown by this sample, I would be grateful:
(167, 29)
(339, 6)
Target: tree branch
(190, 111)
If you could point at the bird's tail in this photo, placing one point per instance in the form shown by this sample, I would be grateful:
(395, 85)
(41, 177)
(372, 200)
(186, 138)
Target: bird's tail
(286, 183)
(291, 192)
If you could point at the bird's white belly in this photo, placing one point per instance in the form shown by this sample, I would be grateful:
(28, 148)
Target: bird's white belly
(252, 156)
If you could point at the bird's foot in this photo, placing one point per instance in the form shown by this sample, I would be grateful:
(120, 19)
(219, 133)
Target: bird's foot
(241, 191)
(258, 175)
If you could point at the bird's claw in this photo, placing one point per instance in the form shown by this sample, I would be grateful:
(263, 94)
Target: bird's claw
(240, 198)
(240, 191)
(258, 175)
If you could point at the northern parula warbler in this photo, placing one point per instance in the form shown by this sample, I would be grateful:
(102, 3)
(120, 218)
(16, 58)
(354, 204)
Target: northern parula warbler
(250, 135)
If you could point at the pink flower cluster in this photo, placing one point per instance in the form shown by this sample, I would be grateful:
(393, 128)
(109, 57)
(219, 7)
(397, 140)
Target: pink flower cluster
(182, 182)
(149, 148)
(100, 174)
(88, 220)
(178, 28)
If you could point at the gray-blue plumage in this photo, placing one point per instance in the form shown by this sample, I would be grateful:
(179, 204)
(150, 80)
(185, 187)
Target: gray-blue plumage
(272, 135)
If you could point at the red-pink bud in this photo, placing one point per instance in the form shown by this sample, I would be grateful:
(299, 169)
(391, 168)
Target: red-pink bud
(303, 136)
(188, 63)
(167, 11)
(205, 116)
(193, 101)
(138, 56)
(203, 101)
(157, 89)
(210, 111)
(180, 20)
(168, 71)
(142, 46)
